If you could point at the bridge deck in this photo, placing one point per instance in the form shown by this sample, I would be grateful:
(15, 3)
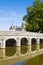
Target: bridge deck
(7, 33)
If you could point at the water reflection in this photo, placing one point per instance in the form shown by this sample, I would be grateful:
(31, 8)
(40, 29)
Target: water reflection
(10, 51)
(2, 53)
(24, 49)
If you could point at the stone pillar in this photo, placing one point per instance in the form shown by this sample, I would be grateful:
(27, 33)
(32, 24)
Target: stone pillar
(0, 44)
(29, 44)
(3, 44)
(18, 46)
(18, 51)
(38, 44)
(18, 41)
(3, 52)
(2, 48)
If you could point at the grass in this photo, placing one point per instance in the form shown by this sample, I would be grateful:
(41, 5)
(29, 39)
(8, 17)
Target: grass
(9, 51)
(24, 49)
(38, 60)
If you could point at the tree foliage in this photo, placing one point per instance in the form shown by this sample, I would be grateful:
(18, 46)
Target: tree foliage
(34, 17)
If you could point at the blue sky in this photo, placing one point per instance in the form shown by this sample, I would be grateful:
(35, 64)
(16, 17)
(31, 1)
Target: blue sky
(12, 10)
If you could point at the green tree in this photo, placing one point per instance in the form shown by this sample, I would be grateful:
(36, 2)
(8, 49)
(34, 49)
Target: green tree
(34, 17)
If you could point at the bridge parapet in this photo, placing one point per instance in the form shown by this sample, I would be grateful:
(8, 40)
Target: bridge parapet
(20, 33)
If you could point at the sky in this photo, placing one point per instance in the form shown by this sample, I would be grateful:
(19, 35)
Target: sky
(12, 10)
(19, 63)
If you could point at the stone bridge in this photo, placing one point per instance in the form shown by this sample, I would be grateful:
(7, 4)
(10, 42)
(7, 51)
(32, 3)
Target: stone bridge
(18, 38)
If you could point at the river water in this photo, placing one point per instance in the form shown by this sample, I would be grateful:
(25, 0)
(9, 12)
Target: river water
(19, 63)
(10, 51)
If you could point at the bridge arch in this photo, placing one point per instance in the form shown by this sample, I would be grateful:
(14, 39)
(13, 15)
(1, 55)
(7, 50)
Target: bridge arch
(24, 41)
(33, 41)
(8, 39)
(10, 42)
(41, 43)
(10, 47)
(33, 44)
(24, 45)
